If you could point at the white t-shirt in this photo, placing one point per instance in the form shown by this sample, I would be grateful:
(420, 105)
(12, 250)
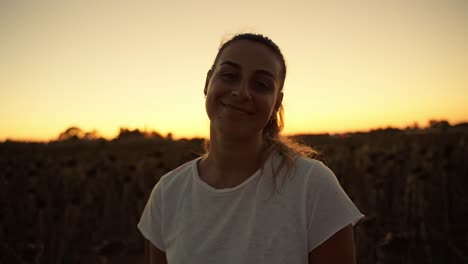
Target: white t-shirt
(195, 223)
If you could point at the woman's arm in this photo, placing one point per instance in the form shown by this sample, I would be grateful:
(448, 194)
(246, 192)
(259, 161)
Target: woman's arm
(337, 249)
(156, 256)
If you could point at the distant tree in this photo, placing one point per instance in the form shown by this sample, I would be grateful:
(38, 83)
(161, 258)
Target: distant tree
(439, 125)
(92, 135)
(169, 136)
(126, 133)
(413, 127)
(72, 133)
(76, 133)
(155, 135)
(461, 125)
(386, 130)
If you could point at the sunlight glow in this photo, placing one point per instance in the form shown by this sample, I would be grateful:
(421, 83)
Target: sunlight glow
(352, 65)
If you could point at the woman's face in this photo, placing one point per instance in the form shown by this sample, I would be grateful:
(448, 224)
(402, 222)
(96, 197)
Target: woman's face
(243, 89)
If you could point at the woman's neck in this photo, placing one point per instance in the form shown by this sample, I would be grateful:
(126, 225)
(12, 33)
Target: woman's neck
(232, 160)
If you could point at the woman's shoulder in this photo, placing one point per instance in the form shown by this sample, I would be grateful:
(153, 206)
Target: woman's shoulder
(306, 162)
(305, 165)
(313, 170)
(178, 174)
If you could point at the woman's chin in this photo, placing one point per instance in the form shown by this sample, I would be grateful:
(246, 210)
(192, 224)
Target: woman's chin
(235, 132)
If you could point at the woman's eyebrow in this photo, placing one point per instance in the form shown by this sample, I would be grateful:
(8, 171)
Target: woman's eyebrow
(238, 66)
(231, 63)
(265, 72)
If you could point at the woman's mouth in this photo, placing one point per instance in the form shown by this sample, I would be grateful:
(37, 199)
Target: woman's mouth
(237, 108)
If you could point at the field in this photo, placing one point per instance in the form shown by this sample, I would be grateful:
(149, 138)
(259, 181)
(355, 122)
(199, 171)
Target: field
(79, 201)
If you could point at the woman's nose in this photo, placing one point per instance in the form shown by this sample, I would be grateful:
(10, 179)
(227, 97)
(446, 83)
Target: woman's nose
(242, 90)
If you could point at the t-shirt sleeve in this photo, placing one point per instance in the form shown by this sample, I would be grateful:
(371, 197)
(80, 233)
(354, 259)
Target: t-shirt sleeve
(150, 224)
(329, 207)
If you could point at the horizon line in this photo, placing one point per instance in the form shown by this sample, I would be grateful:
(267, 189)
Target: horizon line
(195, 136)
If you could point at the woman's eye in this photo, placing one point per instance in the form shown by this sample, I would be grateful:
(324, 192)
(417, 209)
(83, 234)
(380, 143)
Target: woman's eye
(263, 85)
(228, 76)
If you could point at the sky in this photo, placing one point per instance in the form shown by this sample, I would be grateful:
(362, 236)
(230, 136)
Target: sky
(352, 65)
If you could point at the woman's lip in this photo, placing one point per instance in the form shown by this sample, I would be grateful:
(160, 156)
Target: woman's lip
(237, 108)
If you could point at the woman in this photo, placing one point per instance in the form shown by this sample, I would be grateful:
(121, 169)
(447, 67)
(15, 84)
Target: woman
(253, 197)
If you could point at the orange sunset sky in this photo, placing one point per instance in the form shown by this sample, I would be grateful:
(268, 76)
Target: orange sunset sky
(352, 65)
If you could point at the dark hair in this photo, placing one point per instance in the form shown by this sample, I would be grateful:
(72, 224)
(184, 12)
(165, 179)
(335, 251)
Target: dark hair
(287, 147)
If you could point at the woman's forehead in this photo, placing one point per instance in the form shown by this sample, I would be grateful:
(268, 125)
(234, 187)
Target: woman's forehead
(250, 54)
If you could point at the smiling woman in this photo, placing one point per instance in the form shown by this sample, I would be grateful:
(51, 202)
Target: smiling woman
(229, 205)
(239, 82)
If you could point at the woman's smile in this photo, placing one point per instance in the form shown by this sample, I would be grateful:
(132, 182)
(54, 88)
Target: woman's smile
(235, 108)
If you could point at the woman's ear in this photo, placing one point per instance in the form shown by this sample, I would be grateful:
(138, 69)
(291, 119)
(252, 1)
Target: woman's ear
(207, 81)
